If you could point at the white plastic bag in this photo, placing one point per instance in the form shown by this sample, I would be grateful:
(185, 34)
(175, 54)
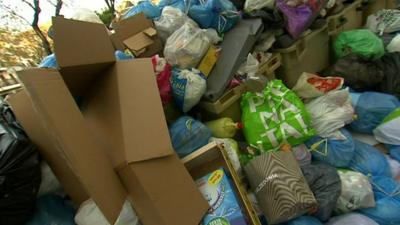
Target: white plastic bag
(310, 85)
(86, 15)
(394, 167)
(231, 147)
(90, 214)
(187, 46)
(394, 45)
(49, 183)
(170, 20)
(188, 86)
(384, 21)
(388, 131)
(331, 112)
(252, 5)
(351, 219)
(254, 81)
(356, 192)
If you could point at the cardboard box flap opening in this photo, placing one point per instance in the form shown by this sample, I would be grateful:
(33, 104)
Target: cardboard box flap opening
(125, 110)
(131, 26)
(62, 119)
(139, 41)
(80, 43)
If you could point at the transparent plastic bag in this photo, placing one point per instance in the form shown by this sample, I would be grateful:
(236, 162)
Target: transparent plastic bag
(331, 112)
(171, 19)
(90, 214)
(231, 147)
(351, 219)
(186, 46)
(356, 192)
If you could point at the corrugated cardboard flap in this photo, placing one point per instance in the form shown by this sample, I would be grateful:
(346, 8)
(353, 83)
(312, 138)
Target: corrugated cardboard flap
(145, 129)
(131, 26)
(82, 50)
(138, 42)
(62, 119)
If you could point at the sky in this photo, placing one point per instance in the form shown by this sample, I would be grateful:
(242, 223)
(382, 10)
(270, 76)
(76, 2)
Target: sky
(48, 10)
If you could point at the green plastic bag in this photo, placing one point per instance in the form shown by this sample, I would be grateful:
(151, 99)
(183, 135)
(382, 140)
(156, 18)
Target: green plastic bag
(362, 42)
(274, 117)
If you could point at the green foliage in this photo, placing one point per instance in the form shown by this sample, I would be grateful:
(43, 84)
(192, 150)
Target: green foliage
(106, 15)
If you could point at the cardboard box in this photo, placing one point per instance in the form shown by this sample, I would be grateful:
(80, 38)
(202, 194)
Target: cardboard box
(212, 157)
(138, 34)
(120, 126)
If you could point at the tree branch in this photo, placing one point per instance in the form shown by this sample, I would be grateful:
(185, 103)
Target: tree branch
(36, 9)
(12, 12)
(28, 3)
(58, 7)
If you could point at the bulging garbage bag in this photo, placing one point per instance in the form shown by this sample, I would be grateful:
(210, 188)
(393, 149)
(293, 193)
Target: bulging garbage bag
(351, 219)
(187, 135)
(360, 74)
(371, 109)
(304, 220)
(331, 112)
(388, 131)
(362, 42)
(163, 74)
(369, 160)
(384, 21)
(182, 5)
(394, 167)
(53, 210)
(49, 61)
(90, 214)
(84, 14)
(19, 172)
(220, 15)
(324, 182)
(311, 86)
(150, 10)
(302, 154)
(336, 150)
(273, 117)
(394, 45)
(188, 86)
(356, 192)
(387, 196)
(186, 46)
(394, 151)
(389, 64)
(300, 16)
(171, 19)
(223, 128)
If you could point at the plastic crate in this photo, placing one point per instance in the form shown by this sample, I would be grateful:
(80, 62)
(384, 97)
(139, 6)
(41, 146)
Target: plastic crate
(308, 54)
(268, 68)
(226, 106)
(350, 18)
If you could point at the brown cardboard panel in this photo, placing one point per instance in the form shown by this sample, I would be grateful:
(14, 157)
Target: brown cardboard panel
(125, 110)
(170, 188)
(156, 48)
(131, 26)
(81, 43)
(61, 117)
(118, 44)
(26, 115)
(138, 41)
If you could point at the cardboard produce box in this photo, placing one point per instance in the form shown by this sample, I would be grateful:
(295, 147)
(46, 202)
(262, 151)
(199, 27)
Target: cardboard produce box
(119, 127)
(211, 158)
(137, 33)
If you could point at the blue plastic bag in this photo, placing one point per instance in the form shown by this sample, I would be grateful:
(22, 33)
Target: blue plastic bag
(369, 160)
(52, 210)
(336, 151)
(387, 197)
(49, 61)
(394, 151)
(150, 10)
(188, 135)
(220, 15)
(120, 55)
(371, 108)
(183, 5)
(304, 220)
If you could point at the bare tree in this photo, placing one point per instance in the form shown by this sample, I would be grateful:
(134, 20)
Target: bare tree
(35, 6)
(111, 6)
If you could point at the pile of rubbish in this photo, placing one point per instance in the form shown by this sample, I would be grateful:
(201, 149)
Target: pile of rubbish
(174, 116)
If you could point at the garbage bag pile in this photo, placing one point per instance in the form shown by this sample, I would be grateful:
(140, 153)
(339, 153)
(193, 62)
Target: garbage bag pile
(293, 150)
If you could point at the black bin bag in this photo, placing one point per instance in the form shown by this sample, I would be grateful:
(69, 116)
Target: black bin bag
(19, 172)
